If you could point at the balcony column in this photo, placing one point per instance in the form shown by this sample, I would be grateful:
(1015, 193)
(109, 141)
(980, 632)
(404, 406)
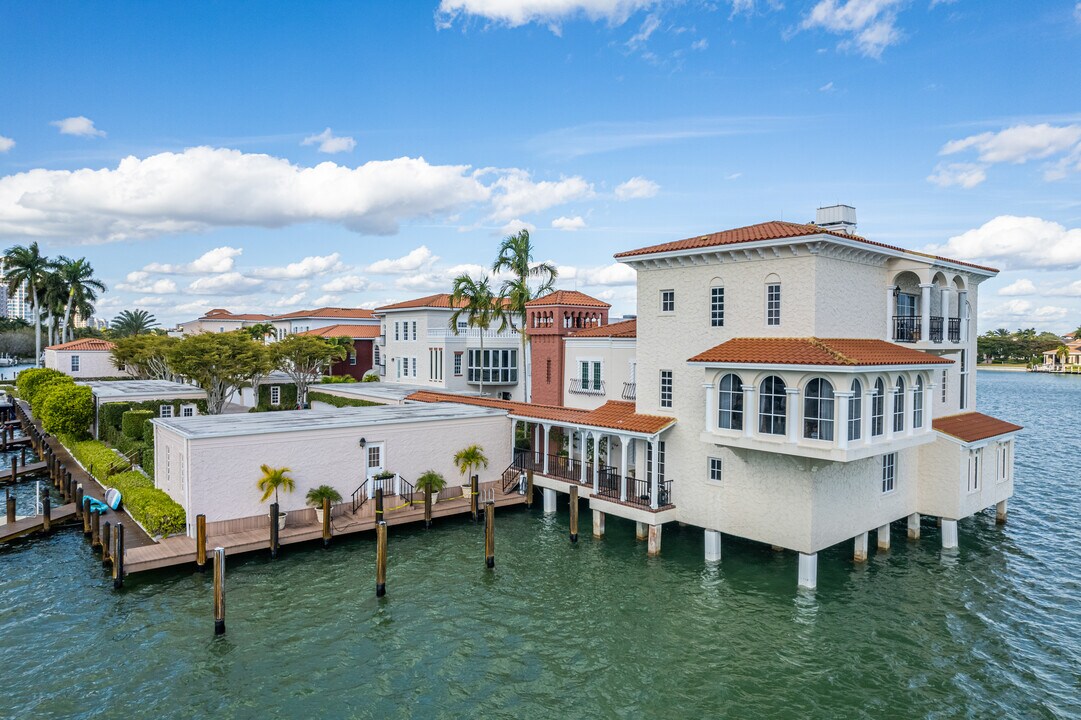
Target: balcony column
(925, 310)
(944, 301)
(962, 312)
(792, 414)
(928, 403)
(868, 404)
(547, 447)
(537, 450)
(887, 420)
(583, 440)
(711, 411)
(749, 411)
(655, 470)
(597, 462)
(841, 426)
(891, 310)
(624, 441)
(911, 409)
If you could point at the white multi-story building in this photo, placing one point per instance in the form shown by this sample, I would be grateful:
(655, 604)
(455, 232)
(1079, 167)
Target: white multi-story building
(221, 320)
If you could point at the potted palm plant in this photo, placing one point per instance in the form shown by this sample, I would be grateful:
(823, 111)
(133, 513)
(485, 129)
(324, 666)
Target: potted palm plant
(316, 496)
(432, 483)
(468, 460)
(270, 482)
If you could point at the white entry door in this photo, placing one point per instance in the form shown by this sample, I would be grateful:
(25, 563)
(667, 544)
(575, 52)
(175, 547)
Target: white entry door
(374, 460)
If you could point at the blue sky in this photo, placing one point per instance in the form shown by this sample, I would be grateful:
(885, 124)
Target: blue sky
(262, 156)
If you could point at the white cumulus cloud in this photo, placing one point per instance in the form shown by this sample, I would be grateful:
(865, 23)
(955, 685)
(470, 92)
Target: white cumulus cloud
(412, 261)
(513, 227)
(516, 194)
(870, 26)
(1024, 286)
(569, 223)
(330, 143)
(966, 175)
(308, 267)
(608, 275)
(6, 144)
(1016, 243)
(218, 260)
(1024, 312)
(515, 13)
(346, 283)
(80, 126)
(138, 282)
(232, 283)
(637, 188)
(1071, 290)
(1021, 143)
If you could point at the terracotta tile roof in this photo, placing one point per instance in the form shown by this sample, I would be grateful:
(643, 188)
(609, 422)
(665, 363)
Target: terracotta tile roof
(973, 426)
(815, 351)
(85, 345)
(614, 414)
(438, 301)
(773, 230)
(621, 329)
(356, 332)
(220, 314)
(328, 312)
(566, 297)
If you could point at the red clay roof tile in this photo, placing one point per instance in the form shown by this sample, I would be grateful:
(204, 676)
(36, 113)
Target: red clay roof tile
(816, 351)
(566, 297)
(356, 332)
(85, 344)
(621, 329)
(973, 426)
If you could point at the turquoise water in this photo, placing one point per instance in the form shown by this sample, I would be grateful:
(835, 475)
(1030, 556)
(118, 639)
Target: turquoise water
(582, 631)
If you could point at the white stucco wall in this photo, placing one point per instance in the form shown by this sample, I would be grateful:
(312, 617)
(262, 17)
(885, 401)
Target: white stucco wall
(92, 363)
(617, 357)
(944, 478)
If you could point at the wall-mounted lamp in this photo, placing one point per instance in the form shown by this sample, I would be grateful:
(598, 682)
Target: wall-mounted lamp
(896, 291)
(363, 442)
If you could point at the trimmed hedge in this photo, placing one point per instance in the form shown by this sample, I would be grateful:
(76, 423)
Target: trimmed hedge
(66, 409)
(29, 380)
(148, 434)
(109, 414)
(132, 423)
(147, 461)
(43, 389)
(337, 379)
(315, 396)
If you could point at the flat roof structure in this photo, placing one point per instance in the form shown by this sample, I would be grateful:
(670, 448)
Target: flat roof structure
(136, 390)
(305, 421)
(384, 392)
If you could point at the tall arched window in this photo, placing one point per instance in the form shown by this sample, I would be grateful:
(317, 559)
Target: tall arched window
(772, 406)
(878, 408)
(899, 406)
(818, 410)
(730, 403)
(917, 403)
(855, 411)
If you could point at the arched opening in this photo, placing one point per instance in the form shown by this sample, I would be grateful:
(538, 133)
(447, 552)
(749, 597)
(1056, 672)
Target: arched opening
(917, 402)
(730, 403)
(855, 411)
(878, 408)
(906, 307)
(899, 406)
(773, 406)
(818, 411)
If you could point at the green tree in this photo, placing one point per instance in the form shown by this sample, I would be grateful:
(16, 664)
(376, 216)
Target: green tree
(145, 356)
(528, 280)
(261, 331)
(274, 479)
(30, 380)
(26, 264)
(67, 409)
(133, 322)
(219, 363)
(470, 459)
(476, 300)
(82, 288)
(302, 358)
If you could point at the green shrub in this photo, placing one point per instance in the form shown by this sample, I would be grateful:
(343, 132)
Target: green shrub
(43, 389)
(95, 456)
(66, 409)
(288, 397)
(109, 415)
(338, 379)
(370, 376)
(148, 434)
(336, 401)
(132, 423)
(128, 447)
(147, 461)
(29, 380)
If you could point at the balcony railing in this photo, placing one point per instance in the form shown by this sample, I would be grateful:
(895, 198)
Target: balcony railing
(587, 387)
(955, 330)
(630, 391)
(935, 333)
(638, 492)
(906, 328)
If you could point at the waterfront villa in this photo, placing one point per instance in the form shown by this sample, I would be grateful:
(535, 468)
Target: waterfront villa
(360, 357)
(1053, 361)
(88, 358)
(222, 320)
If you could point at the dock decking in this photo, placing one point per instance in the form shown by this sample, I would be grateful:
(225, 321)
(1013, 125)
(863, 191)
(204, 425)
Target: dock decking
(33, 523)
(33, 468)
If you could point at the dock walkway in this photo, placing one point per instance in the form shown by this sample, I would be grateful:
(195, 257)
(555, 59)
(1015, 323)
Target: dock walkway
(33, 523)
(34, 468)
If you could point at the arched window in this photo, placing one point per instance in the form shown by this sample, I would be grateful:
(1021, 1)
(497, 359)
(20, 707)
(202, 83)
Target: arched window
(899, 406)
(917, 403)
(855, 411)
(818, 410)
(773, 406)
(878, 408)
(730, 403)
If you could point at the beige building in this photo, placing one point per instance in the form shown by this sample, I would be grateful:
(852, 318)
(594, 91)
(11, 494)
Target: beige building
(84, 359)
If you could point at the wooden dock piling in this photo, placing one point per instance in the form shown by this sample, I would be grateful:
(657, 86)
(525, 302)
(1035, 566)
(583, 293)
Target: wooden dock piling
(474, 492)
(219, 590)
(378, 505)
(86, 515)
(106, 539)
(79, 501)
(427, 509)
(118, 556)
(9, 501)
(273, 530)
(529, 488)
(200, 542)
(574, 514)
(46, 510)
(14, 470)
(489, 535)
(22, 455)
(95, 529)
(380, 558)
(326, 522)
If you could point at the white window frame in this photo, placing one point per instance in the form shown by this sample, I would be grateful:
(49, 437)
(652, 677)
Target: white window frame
(458, 364)
(963, 398)
(878, 407)
(773, 407)
(975, 469)
(715, 470)
(716, 306)
(353, 358)
(165, 411)
(899, 389)
(668, 300)
(773, 304)
(591, 371)
(917, 402)
(945, 397)
(819, 411)
(730, 403)
(414, 329)
(855, 411)
(275, 395)
(75, 363)
(889, 473)
(1004, 452)
(396, 335)
(188, 411)
(666, 396)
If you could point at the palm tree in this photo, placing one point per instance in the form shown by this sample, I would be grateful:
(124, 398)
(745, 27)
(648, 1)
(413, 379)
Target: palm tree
(475, 299)
(52, 296)
(83, 289)
(27, 265)
(272, 479)
(261, 331)
(133, 322)
(516, 257)
(1063, 353)
(470, 459)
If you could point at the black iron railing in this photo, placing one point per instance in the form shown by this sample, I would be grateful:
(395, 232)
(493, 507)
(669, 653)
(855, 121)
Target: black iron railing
(586, 388)
(935, 331)
(360, 496)
(906, 328)
(512, 480)
(955, 329)
(559, 466)
(630, 390)
(638, 493)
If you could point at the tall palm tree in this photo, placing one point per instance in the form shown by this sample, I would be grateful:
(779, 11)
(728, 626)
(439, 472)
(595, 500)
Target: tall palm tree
(475, 300)
(516, 257)
(133, 322)
(83, 289)
(52, 296)
(26, 264)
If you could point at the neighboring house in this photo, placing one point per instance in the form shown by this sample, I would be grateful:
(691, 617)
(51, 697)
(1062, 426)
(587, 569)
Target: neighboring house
(222, 320)
(1052, 359)
(84, 359)
(360, 357)
(165, 397)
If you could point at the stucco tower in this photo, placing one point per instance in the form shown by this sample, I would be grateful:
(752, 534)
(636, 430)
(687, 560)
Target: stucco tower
(548, 320)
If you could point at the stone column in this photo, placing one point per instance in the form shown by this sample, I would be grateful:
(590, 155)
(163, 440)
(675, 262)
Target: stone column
(713, 546)
(891, 310)
(914, 526)
(547, 447)
(624, 441)
(549, 500)
(640, 531)
(596, 462)
(711, 407)
(598, 524)
(1000, 513)
(840, 427)
(925, 310)
(654, 471)
(808, 570)
(792, 414)
(653, 549)
(949, 534)
(750, 411)
(859, 552)
(884, 537)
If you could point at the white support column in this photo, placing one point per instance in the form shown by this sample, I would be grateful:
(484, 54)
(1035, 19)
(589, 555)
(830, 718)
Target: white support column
(868, 405)
(654, 470)
(583, 441)
(711, 407)
(1000, 513)
(914, 526)
(624, 441)
(808, 570)
(713, 546)
(597, 462)
(944, 301)
(925, 310)
(891, 310)
(640, 531)
(962, 312)
(792, 414)
(840, 428)
(513, 437)
(598, 524)
(884, 537)
(549, 500)
(653, 547)
(910, 409)
(887, 420)
(546, 448)
(538, 434)
(949, 534)
(929, 394)
(750, 411)
(859, 551)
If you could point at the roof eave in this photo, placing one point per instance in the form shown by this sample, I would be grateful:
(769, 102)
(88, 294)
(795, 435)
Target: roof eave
(818, 368)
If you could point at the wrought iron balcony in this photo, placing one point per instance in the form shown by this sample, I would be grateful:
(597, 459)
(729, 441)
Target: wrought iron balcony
(955, 330)
(630, 391)
(935, 334)
(906, 328)
(586, 388)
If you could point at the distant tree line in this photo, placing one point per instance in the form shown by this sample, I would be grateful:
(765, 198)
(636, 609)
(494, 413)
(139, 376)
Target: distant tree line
(1020, 346)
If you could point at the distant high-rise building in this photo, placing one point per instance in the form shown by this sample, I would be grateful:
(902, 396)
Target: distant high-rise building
(14, 305)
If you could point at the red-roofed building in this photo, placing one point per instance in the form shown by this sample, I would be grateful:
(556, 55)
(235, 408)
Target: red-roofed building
(84, 359)
(359, 359)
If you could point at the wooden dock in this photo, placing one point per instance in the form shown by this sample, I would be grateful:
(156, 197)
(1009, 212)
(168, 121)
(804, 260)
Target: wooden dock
(34, 523)
(24, 470)
(180, 550)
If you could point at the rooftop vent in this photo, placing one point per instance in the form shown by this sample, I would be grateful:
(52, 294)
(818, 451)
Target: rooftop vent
(840, 218)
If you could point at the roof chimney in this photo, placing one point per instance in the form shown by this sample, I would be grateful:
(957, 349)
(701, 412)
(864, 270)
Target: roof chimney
(839, 218)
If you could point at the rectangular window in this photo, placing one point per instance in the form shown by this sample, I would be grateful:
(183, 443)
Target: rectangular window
(375, 456)
(414, 329)
(275, 395)
(75, 363)
(352, 358)
(715, 469)
(187, 411)
(165, 411)
(589, 375)
(773, 304)
(944, 396)
(666, 388)
(492, 366)
(457, 364)
(548, 371)
(975, 457)
(435, 358)
(855, 412)
(716, 306)
(395, 330)
(660, 461)
(1004, 462)
(375, 355)
(668, 301)
(878, 409)
(964, 379)
(463, 325)
(414, 366)
(889, 472)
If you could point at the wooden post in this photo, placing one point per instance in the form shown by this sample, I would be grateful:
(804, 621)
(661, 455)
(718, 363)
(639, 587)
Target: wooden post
(474, 493)
(273, 530)
(574, 513)
(10, 502)
(326, 522)
(23, 455)
(86, 514)
(380, 559)
(427, 509)
(200, 542)
(529, 488)
(378, 505)
(95, 529)
(14, 469)
(79, 501)
(69, 490)
(489, 534)
(46, 510)
(219, 589)
(118, 556)
(105, 540)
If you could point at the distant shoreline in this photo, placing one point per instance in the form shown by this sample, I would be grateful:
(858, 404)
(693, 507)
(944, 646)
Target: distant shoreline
(1003, 368)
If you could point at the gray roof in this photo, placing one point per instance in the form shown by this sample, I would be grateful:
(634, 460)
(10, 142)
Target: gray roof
(118, 390)
(390, 392)
(290, 421)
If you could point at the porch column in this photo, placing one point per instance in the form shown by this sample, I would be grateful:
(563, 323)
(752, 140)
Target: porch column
(597, 462)
(944, 301)
(808, 570)
(910, 409)
(891, 310)
(792, 413)
(711, 412)
(654, 470)
(949, 534)
(513, 437)
(962, 312)
(914, 526)
(859, 552)
(841, 426)
(624, 441)
(547, 447)
(750, 412)
(583, 440)
(713, 546)
(884, 537)
(925, 310)
(887, 420)
(537, 449)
